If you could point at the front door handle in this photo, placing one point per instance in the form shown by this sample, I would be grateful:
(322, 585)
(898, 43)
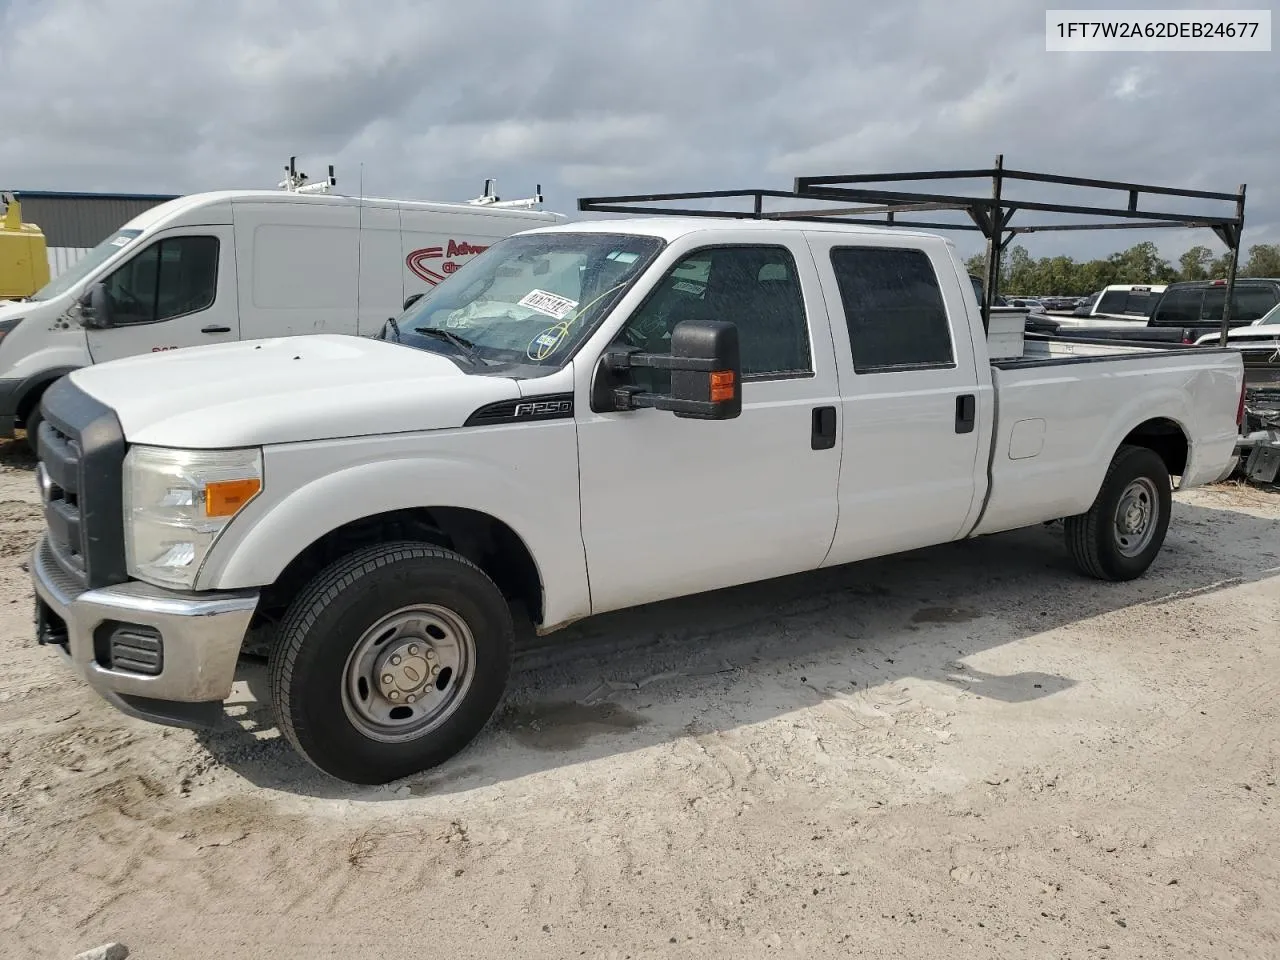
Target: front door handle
(213, 329)
(823, 436)
(966, 412)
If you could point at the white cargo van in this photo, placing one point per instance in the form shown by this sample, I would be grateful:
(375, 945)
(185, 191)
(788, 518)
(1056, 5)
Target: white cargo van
(240, 265)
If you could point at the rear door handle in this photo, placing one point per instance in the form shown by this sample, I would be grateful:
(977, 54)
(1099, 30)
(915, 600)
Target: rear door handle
(823, 436)
(966, 412)
(215, 329)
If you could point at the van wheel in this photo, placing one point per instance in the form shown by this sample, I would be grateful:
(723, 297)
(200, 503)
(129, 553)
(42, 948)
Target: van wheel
(31, 423)
(390, 661)
(1123, 531)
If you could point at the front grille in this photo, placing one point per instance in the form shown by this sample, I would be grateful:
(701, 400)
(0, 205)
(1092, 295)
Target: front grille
(60, 490)
(81, 450)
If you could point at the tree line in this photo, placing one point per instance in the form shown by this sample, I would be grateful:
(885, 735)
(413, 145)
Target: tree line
(1021, 274)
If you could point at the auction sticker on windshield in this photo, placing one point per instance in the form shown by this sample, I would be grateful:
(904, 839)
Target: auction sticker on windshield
(550, 304)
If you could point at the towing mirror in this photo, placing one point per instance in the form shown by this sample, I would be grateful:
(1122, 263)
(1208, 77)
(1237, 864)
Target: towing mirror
(706, 374)
(95, 307)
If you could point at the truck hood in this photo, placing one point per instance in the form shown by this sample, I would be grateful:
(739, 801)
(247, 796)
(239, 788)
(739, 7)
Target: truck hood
(286, 390)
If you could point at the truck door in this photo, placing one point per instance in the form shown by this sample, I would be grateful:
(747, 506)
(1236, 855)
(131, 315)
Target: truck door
(673, 506)
(177, 291)
(912, 443)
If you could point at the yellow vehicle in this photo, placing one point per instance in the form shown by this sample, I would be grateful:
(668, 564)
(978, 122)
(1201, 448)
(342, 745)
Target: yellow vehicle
(24, 262)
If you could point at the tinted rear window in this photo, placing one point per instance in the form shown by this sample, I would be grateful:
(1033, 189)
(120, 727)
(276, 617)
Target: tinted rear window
(1180, 307)
(1136, 303)
(1252, 303)
(1248, 304)
(1191, 306)
(893, 308)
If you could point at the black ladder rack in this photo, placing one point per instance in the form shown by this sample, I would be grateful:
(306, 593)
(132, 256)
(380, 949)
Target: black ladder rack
(870, 200)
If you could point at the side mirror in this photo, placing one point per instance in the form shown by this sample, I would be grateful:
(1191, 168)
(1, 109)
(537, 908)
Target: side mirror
(706, 374)
(410, 300)
(95, 308)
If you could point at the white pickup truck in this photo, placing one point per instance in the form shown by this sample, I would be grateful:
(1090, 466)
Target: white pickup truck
(585, 417)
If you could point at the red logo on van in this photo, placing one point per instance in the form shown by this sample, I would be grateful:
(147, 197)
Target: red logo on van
(417, 261)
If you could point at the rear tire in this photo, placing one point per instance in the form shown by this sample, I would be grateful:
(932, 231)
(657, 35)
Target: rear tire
(390, 661)
(1121, 534)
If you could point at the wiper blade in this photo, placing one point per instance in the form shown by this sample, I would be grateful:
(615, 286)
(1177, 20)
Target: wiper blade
(462, 343)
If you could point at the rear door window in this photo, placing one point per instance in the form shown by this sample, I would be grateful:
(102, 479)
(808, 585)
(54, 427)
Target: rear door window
(893, 308)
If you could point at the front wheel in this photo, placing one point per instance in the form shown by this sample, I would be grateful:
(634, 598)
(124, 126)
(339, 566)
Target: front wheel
(1120, 535)
(32, 425)
(390, 661)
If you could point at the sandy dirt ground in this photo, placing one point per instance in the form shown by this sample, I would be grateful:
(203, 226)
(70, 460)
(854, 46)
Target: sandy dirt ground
(965, 751)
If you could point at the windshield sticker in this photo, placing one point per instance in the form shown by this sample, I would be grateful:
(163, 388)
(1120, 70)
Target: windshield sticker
(550, 304)
(547, 342)
(684, 286)
(120, 241)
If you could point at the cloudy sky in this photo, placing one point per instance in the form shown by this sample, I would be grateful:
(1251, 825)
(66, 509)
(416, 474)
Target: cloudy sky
(602, 96)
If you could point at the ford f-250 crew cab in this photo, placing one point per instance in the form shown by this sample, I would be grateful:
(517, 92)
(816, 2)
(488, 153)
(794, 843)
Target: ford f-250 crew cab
(595, 415)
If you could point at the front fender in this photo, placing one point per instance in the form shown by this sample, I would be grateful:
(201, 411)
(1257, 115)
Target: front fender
(538, 503)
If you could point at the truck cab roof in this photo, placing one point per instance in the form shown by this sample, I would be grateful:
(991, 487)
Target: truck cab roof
(675, 227)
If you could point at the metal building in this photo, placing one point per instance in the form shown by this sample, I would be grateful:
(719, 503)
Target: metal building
(73, 222)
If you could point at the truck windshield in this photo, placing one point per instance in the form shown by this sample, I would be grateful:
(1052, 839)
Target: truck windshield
(532, 298)
(86, 264)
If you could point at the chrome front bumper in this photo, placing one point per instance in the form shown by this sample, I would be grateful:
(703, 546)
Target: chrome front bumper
(200, 637)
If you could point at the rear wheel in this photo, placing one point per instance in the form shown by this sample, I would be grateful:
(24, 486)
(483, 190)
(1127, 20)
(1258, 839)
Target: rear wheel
(390, 661)
(1121, 534)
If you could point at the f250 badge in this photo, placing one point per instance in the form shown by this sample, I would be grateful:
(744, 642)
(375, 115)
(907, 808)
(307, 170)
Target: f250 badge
(544, 408)
(417, 261)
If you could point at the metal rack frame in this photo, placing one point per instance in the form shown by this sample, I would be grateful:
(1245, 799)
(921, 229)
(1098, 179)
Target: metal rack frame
(865, 195)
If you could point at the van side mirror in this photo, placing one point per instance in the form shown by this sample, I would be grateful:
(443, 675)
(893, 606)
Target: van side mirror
(410, 300)
(706, 374)
(95, 308)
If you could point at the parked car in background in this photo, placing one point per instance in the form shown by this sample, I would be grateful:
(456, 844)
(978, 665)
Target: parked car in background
(1027, 303)
(1127, 301)
(1084, 305)
(1188, 311)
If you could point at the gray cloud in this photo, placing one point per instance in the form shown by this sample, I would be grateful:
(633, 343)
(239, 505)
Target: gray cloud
(587, 96)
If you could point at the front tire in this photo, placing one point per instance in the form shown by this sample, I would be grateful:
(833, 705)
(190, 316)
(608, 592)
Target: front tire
(390, 661)
(1123, 531)
(31, 423)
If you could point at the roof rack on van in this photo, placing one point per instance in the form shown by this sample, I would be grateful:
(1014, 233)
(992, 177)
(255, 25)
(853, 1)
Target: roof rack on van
(866, 198)
(490, 199)
(296, 182)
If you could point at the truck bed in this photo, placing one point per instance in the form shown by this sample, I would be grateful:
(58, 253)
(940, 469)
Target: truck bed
(1049, 349)
(1063, 408)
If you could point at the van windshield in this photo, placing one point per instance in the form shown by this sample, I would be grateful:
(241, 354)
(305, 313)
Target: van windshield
(86, 264)
(529, 299)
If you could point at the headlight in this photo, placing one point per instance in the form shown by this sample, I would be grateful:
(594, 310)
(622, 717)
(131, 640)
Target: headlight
(177, 503)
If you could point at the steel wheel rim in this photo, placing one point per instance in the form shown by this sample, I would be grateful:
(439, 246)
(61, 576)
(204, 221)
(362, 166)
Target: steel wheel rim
(1137, 516)
(408, 673)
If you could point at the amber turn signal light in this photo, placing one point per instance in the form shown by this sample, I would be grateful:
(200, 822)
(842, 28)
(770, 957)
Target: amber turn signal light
(721, 386)
(224, 498)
